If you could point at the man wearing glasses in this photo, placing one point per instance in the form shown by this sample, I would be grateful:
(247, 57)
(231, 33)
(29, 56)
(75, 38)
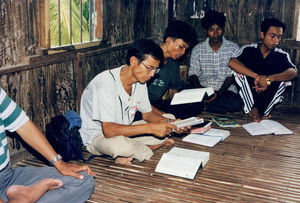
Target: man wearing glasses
(110, 102)
(178, 37)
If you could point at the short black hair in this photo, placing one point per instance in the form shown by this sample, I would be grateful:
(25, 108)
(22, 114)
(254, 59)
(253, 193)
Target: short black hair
(267, 23)
(212, 17)
(142, 47)
(181, 30)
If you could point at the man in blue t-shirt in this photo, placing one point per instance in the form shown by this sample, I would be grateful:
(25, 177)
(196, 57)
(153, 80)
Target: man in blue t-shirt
(178, 37)
(262, 70)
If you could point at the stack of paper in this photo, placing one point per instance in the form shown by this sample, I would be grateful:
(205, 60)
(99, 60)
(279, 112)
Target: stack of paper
(182, 162)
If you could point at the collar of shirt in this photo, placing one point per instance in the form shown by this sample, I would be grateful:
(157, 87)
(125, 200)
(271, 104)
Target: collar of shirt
(209, 49)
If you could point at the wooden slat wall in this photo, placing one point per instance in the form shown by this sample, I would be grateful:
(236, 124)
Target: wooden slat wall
(243, 17)
(54, 85)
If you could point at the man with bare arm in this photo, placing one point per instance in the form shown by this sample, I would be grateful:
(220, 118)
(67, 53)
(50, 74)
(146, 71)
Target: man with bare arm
(261, 71)
(74, 182)
(109, 104)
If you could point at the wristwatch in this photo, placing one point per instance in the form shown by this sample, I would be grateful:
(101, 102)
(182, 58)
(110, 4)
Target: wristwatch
(53, 161)
(268, 81)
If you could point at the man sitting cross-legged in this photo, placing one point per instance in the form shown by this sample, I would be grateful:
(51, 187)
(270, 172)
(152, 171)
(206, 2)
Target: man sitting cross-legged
(264, 70)
(109, 104)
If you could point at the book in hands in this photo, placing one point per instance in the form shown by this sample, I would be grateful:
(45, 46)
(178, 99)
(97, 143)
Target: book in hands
(265, 127)
(188, 122)
(225, 122)
(210, 138)
(191, 95)
(201, 128)
(181, 162)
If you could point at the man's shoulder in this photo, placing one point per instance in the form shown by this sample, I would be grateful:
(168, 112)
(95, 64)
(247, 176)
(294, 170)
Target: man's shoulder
(230, 44)
(280, 51)
(250, 46)
(107, 76)
(200, 45)
(172, 63)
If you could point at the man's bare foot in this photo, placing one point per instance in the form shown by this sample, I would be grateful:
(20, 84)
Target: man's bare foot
(167, 143)
(267, 117)
(30, 194)
(254, 114)
(124, 160)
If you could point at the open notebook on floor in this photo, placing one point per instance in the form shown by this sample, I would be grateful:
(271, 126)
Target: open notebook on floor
(182, 162)
(210, 138)
(266, 127)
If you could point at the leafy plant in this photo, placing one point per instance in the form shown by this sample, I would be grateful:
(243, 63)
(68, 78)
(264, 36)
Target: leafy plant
(65, 22)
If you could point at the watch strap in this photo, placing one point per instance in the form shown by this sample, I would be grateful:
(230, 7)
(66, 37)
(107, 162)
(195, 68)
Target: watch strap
(53, 161)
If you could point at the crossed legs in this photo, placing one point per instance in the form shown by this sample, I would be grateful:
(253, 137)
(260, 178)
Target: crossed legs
(31, 194)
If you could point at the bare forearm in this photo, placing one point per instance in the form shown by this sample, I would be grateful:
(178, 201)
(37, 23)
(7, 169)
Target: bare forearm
(194, 81)
(152, 117)
(172, 92)
(287, 75)
(226, 84)
(156, 110)
(35, 138)
(111, 129)
(239, 67)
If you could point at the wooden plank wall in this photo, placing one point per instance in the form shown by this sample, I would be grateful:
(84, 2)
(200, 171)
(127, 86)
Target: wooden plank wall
(243, 17)
(19, 33)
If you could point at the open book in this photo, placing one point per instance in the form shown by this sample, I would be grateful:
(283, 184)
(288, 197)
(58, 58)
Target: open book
(188, 122)
(266, 127)
(191, 95)
(210, 138)
(182, 162)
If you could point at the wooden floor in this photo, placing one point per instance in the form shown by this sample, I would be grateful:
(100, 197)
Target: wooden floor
(243, 168)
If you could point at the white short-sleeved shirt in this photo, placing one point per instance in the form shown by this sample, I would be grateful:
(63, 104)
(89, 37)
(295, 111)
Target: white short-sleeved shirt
(105, 100)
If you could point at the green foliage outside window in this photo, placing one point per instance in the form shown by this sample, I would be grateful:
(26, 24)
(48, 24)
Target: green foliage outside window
(65, 22)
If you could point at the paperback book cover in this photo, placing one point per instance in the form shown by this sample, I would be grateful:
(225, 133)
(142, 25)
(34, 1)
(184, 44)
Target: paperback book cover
(225, 122)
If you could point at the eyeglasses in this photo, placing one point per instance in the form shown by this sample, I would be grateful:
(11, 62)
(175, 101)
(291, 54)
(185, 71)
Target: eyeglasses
(149, 69)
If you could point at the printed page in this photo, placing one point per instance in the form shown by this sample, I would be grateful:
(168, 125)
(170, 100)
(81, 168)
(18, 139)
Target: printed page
(255, 128)
(275, 127)
(204, 140)
(191, 95)
(191, 153)
(218, 133)
(181, 162)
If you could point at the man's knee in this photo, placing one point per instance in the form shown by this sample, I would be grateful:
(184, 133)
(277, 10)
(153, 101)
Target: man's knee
(121, 146)
(88, 182)
(84, 188)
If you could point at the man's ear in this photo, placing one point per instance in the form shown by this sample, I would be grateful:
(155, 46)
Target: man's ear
(169, 40)
(133, 61)
(262, 35)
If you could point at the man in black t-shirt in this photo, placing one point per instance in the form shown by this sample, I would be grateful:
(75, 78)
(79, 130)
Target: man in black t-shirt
(261, 71)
